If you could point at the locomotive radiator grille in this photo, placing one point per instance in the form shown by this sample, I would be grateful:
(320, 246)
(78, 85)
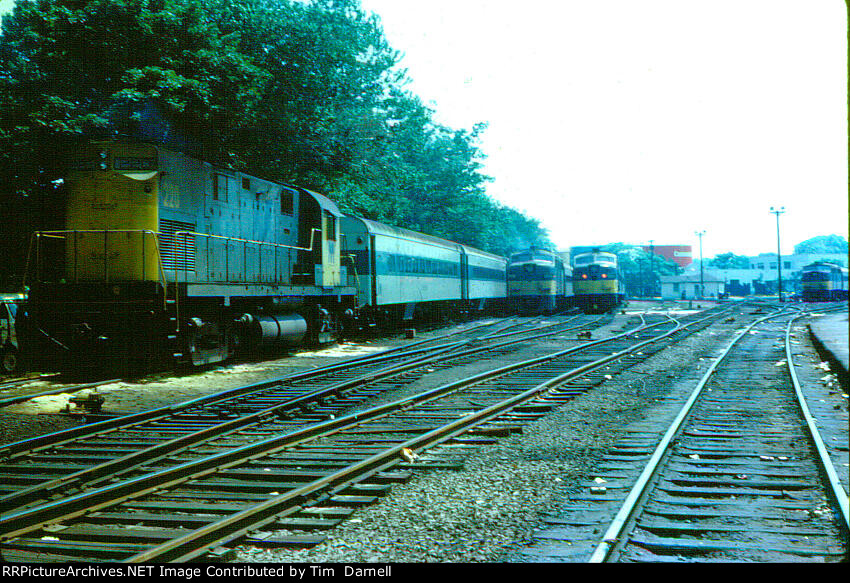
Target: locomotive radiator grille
(177, 251)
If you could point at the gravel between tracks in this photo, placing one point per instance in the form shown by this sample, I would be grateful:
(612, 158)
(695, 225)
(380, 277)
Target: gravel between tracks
(491, 507)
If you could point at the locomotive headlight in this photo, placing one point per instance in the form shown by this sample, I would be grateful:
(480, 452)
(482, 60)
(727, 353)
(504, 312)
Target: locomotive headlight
(604, 276)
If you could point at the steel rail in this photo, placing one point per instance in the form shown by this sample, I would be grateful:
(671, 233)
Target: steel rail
(195, 543)
(836, 490)
(59, 437)
(29, 519)
(112, 468)
(55, 391)
(612, 534)
(14, 382)
(10, 450)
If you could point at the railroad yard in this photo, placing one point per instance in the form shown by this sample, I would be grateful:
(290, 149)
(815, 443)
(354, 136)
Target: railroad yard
(523, 439)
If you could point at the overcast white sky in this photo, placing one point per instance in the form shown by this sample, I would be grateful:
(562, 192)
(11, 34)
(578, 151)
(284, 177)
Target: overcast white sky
(631, 120)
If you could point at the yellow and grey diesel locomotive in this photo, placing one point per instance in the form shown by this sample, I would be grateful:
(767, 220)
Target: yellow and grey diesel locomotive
(167, 258)
(823, 282)
(596, 281)
(538, 282)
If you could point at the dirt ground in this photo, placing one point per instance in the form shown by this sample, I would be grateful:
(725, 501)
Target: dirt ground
(55, 412)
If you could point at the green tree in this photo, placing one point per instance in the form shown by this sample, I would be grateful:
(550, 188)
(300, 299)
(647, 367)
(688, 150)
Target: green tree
(729, 261)
(823, 244)
(640, 270)
(307, 92)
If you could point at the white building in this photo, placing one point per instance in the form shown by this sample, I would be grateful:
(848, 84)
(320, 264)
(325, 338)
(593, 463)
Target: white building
(687, 287)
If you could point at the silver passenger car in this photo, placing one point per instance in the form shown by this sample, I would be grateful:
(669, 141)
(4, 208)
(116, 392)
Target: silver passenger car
(396, 270)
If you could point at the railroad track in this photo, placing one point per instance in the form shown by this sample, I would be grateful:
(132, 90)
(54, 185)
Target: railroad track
(12, 383)
(468, 334)
(47, 465)
(310, 476)
(740, 474)
(55, 390)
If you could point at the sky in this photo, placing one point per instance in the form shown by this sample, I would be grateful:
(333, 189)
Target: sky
(639, 120)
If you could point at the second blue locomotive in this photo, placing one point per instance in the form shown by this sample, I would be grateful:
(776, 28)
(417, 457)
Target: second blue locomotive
(539, 282)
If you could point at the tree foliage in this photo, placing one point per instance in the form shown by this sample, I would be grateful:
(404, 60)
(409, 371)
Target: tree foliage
(307, 92)
(823, 244)
(729, 261)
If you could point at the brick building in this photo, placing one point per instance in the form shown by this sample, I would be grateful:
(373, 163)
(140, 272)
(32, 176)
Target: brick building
(681, 255)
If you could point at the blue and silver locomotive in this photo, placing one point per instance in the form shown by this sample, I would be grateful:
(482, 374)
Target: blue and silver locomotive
(823, 282)
(539, 282)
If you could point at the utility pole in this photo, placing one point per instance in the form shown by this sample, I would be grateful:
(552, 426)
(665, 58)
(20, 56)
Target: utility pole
(778, 212)
(641, 283)
(651, 269)
(701, 276)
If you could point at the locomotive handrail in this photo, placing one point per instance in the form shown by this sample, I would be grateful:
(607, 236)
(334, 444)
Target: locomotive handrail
(181, 240)
(63, 234)
(237, 239)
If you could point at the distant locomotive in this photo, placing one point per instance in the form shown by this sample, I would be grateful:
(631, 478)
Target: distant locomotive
(167, 257)
(596, 281)
(823, 282)
(538, 282)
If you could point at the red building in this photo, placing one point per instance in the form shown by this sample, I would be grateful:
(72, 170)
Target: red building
(681, 255)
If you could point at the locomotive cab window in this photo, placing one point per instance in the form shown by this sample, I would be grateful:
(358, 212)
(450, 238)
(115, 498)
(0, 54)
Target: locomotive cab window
(287, 202)
(330, 226)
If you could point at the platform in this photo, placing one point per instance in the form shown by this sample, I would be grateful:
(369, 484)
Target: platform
(830, 336)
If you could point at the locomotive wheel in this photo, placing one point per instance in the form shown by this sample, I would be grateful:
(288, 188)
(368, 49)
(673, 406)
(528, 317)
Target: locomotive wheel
(9, 360)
